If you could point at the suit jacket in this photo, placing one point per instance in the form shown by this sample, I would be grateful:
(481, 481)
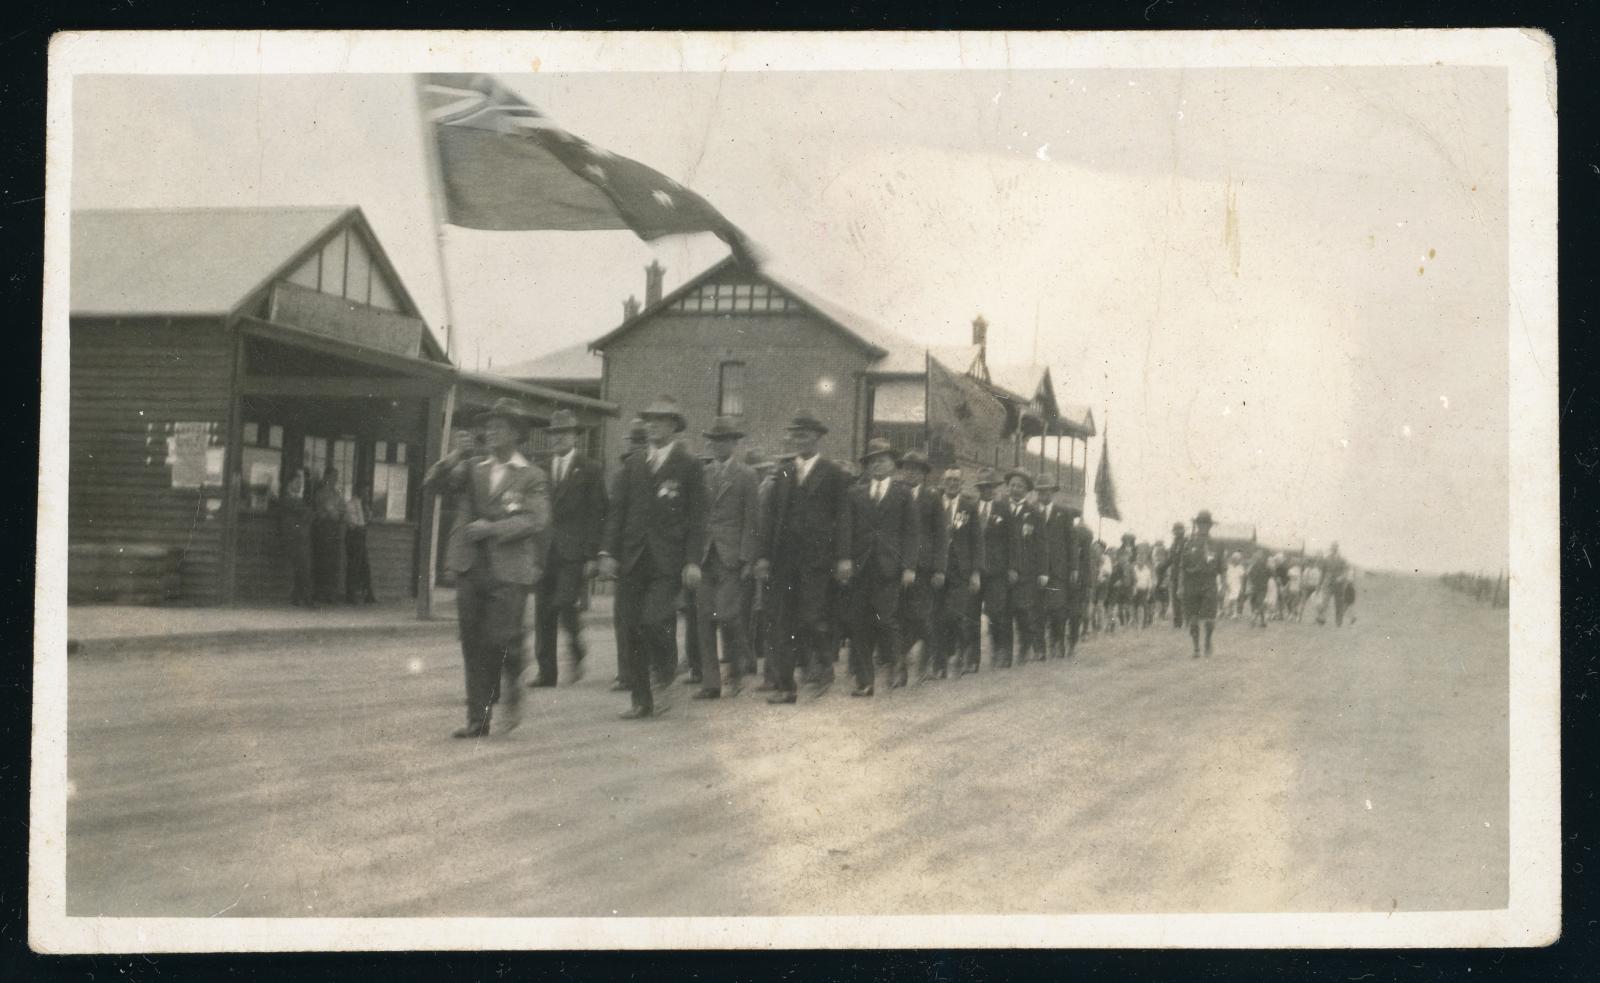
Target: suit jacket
(885, 534)
(451, 479)
(733, 518)
(577, 512)
(660, 512)
(1086, 564)
(995, 539)
(963, 550)
(808, 523)
(518, 510)
(1060, 552)
(932, 531)
(1027, 542)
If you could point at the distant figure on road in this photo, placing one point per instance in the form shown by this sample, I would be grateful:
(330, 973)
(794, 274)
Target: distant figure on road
(1333, 581)
(1202, 567)
(1175, 574)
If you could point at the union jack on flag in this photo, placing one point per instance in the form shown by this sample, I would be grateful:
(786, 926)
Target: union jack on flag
(506, 166)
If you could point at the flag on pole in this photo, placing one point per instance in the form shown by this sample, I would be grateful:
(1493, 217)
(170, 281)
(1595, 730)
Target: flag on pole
(506, 166)
(1105, 490)
(963, 418)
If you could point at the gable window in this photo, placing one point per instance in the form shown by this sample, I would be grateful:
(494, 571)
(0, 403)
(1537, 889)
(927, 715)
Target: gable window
(730, 389)
(756, 298)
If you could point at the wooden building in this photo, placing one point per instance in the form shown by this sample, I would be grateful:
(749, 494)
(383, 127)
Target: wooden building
(216, 351)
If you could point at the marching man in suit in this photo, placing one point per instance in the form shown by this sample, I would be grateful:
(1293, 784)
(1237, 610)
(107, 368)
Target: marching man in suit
(884, 533)
(1027, 559)
(956, 579)
(733, 526)
(1055, 573)
(654, 538)
(805, 547)
(504, 506)
(916, 602)
(999, 573)
(577, 518)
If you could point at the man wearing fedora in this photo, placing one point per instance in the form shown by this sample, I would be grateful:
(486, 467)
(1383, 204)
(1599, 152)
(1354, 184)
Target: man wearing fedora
(956, 579)
(916, 602)
(577, 518)
(1201, 566)
(654, 538)
(998, 574)
(1059, 566)
(1027, 558)
(757, 605)
(733, 526)
(505, 507)
(634, 441)
(805, 547)
(885, 536)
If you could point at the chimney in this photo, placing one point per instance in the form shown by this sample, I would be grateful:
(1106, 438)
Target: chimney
(980, 334)
(630, 308)
(652, 282)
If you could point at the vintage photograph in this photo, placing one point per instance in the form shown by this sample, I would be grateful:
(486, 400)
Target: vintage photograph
(588, 482)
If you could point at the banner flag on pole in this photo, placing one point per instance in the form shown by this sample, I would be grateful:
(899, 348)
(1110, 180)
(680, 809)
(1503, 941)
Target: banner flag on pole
(1105, 490)
(506, 166)
(961, 415)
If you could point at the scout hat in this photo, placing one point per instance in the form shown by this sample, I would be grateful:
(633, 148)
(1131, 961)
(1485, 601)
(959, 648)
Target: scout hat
(562, 421)
(987, 478)
(807, 420)
(723, 428)
(1204, 518)
(1046, 483)
(1019, 473)
(915, 459)
(511, 411)
(877, 447)
(666, 406)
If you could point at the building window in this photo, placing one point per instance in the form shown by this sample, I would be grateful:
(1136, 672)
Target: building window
(261, 463)
(730, 389)
(758, 298)
(391, 482)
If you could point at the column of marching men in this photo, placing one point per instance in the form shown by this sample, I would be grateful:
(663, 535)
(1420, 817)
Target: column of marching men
(779, 564)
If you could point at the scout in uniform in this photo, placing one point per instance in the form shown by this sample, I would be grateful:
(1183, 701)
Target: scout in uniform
(1201, 565)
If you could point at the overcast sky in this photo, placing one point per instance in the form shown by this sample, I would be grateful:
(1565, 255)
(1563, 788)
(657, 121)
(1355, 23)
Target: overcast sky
(1283, 291)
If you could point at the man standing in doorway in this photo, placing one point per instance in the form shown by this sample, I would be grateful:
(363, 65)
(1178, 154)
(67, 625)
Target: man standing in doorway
(654, 536)
(732, 527)
(577, 518)
(806, 546)
(505, 506)
(1201, 566)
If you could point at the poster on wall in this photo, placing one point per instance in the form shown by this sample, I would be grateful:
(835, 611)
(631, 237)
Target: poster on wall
(189, 454)
(395, 507)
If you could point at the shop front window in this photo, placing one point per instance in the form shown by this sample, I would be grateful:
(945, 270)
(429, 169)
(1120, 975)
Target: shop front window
(391, 481)
(260, 464)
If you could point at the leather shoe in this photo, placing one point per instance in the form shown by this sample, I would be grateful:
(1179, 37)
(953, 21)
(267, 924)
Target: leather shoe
(620, 687)
(472, 730)
(707, 694)
(862, 691)
(636, 713)
(782, 697)
(541, 682)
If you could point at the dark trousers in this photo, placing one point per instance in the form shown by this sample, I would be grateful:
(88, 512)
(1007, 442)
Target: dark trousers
(758, 625)
(721, 604)
(489, 619)
(1177, 604)
(993, 599)
(916, 618)
(556, 595)
(327, 548)
(805, 633)
(357, 569)
(1054, 630)
(299, 549)
(1027, 618)
(952, 631)
(876, 626)
(647, 614)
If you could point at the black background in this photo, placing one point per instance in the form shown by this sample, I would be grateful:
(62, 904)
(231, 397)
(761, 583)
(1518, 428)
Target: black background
(24, 36)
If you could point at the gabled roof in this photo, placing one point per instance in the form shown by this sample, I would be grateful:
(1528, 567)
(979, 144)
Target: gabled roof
(909, 358)
(1019, 380)
(199, 262)
(851, 325)
(1080, 416)
(573, 363)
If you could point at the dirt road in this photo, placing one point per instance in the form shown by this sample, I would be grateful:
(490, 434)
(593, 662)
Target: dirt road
(1300, 769)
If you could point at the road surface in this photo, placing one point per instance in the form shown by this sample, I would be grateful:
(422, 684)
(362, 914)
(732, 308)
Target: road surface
(1299, 769)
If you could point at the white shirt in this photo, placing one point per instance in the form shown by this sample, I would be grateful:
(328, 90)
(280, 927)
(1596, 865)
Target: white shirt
(802, 468)
(497, 468)
(954, 502)
(983, 509)
(658, 455)
(880, 488)
(561, 465)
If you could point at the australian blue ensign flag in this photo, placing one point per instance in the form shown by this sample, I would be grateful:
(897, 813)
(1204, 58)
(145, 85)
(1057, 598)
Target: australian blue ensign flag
(506, 166)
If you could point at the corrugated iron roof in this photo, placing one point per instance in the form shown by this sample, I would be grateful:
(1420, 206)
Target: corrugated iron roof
(909, 358)
(184, 261)
(573, 362)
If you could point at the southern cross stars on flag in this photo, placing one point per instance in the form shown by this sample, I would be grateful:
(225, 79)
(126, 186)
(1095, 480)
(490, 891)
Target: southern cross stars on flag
(508, 167)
